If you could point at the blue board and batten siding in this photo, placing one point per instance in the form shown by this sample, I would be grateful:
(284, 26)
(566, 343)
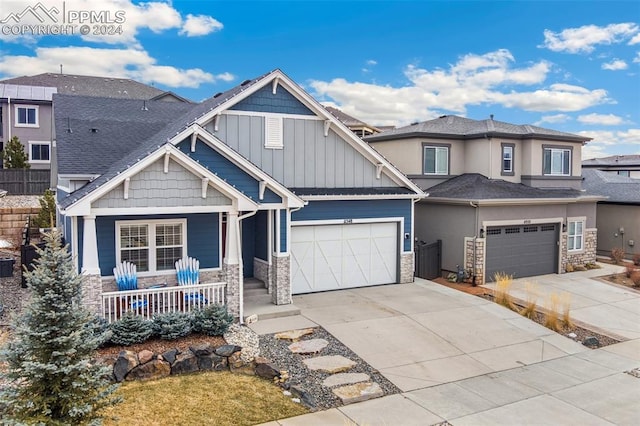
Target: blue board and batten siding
(358, 209)
(203, 238)
(228, 171)
(282, 102)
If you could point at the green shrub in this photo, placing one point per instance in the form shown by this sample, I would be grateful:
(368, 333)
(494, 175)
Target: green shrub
(214, 320)
(172, 325)
(130, 329)
(100, 328)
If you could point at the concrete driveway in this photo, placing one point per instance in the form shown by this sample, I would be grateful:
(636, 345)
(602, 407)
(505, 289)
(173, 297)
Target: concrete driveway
(463, 359)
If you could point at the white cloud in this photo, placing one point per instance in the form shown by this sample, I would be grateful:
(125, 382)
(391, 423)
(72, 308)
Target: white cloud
(474, 80)
(199, 25)
(637, 58)
(156, 16)
(615, 65)
(601, 119)
(129, 62)
(635, 39)
(556, 118)
(606, 142)
(584, 39)
(372, 62)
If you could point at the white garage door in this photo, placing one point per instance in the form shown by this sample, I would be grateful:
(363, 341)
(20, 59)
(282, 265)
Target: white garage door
(331, 257)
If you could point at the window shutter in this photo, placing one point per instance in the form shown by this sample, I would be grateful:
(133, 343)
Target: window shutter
(273, 132)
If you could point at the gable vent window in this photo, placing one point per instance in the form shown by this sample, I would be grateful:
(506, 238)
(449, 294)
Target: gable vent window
(273, 132)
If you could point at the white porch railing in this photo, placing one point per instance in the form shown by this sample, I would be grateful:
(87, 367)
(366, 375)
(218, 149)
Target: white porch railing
(149, 301)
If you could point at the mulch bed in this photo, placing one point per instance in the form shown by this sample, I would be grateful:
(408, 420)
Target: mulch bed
(159, 346)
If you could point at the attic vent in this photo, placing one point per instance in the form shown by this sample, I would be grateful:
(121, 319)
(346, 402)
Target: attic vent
(273, 132)
(244, 83)
(93, 130)
(217, 94)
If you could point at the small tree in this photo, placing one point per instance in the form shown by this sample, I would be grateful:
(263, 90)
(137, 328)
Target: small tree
(51, 377)
(14, 155)
(47, 215)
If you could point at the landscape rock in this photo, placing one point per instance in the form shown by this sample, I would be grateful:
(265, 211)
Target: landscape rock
(145, 356)
(358, 392)
(303, 395)
(227, 350)
(591, 341)
(246, 338)
(211, 362)
(331, 364)
(342, 379)
(261, 360)
(203, 349)
(266, 371)
(126, 362)
(155, 369)
(170, 355)
(294, 335)
(311, 346)
(185, 362)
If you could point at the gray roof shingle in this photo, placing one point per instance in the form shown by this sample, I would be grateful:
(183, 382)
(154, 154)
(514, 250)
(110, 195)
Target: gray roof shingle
(453, 126)
(474, 186)
(619, 189)
(614, 160)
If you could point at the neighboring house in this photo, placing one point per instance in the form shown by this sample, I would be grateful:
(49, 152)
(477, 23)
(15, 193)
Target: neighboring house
(259, 181)
(34, 125)
(618, 216)
(623, 165)
(25, 112)
(358, 127)
(502, 197)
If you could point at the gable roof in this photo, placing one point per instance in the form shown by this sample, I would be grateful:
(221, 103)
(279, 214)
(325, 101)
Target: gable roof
(27, 93)
(455, 127)
(87, 85)
(618, 189)
(476, 187)
(614, 160)
(349, 120)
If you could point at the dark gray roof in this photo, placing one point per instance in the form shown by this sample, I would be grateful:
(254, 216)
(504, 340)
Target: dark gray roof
(105, 130)
(614, 160)
(452, 126)
(347, 119)
(152, 141)
(27, 93)
(352, 191)
(85, 85)
(619, 189)
(474, 186)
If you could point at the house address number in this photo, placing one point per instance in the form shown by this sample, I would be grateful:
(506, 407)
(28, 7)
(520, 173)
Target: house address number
(348, 221)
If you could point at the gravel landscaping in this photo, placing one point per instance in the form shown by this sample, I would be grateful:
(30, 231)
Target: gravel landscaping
(315, 395)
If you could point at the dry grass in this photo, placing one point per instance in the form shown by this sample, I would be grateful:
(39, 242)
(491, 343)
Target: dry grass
(529, 309)
(503, 287)
(565, 302)
(213, 398)
(552, 317)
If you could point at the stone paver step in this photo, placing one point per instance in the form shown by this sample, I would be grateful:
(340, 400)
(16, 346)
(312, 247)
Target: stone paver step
(330, 363)
(342, 379)
(310, 346)
(294, 335)
(358, 392)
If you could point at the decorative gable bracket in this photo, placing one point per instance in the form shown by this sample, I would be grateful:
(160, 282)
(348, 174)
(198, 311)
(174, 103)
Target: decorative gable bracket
(379, 169)
(194, 139)
(205, 185)
(261, 189)
(327, 126)
(126, 188)
(274, 85)
(167, 155)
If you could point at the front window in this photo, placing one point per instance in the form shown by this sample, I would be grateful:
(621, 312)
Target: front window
(507, 159)
(626, 173)
(576, 235)
(154, 246)
(26, 116)
(436, 160)
(39, 152)
(557, 161)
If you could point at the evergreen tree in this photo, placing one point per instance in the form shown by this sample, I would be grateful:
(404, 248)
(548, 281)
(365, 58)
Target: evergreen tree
(47, 215)
(52, 379)
(14, 155)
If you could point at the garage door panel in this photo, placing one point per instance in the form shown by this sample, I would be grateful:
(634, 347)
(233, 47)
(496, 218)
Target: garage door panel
(343, 256)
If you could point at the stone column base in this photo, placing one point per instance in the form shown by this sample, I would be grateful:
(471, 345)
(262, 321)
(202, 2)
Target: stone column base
(406, 267)
(92, 292)
(281, 288)
(232, 278)
(469, 261)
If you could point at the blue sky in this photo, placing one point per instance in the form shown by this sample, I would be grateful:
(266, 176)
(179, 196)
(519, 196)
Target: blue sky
(572, 66)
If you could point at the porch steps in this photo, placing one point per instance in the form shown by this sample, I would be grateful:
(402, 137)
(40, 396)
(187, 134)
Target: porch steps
(257, 301)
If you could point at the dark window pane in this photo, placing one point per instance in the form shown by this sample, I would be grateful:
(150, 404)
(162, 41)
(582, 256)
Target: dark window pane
(429, 160)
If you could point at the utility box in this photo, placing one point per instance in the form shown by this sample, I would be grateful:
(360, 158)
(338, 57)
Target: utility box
(6, 266)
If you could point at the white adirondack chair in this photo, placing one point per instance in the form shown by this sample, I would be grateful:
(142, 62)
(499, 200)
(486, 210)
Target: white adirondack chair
(188, 272)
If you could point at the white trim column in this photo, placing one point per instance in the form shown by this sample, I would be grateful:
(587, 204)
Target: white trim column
(90, 264)
(232, 265)
(233, 236)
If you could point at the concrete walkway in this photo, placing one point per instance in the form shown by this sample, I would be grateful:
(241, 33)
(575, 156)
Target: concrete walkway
(466, 360)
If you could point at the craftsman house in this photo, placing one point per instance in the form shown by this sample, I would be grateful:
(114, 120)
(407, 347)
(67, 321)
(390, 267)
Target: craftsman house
(259, 181)
(502, 197)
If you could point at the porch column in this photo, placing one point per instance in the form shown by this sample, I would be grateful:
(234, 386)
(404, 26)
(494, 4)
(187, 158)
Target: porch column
(232, 270)
(90, 265)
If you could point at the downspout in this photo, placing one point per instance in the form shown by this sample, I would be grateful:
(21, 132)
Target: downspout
(9, 117)
(241, 263)
(475, 237)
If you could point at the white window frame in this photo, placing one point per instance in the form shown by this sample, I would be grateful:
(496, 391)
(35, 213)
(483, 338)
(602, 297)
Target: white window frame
(35, 107)
(575, 236)
(556, 150)
(505, 149)
(273, 132)
(437, 149)
(151, 224)
(31, 160)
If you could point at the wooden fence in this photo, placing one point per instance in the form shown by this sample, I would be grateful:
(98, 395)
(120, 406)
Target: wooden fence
(25, 181)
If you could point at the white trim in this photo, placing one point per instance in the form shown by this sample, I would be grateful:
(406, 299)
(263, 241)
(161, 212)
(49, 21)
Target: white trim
(347, 221)
(31, 143)
(435, 159)
(359, 197)
(151, 228)
(77, 177)
(64, 188)
(515, 201)
(266, 114)
(75, 247)
(577, 219)
(551, 165)
(27, 106)
(106, 211)
(264, 262)
(511, 149)
(269, 235)
(524, 222)
(287, 238)
(278, 234)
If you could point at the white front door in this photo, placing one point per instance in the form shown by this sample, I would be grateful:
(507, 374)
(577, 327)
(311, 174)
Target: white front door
(331, 257)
